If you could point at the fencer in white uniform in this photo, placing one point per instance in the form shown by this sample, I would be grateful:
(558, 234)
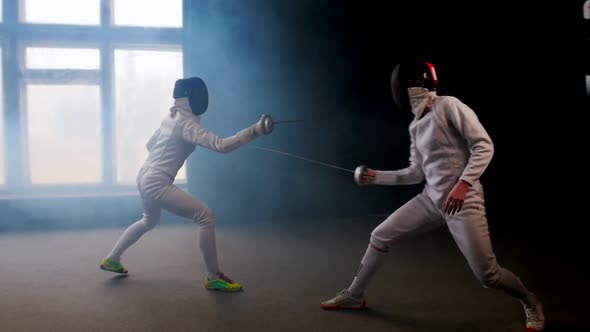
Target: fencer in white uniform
(180, 132)
(449, 151)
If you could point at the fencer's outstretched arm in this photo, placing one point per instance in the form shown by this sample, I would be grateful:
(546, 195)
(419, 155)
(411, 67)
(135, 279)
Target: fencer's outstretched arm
(152, 140)
(194, 133)
(410, 175)
(480, 145)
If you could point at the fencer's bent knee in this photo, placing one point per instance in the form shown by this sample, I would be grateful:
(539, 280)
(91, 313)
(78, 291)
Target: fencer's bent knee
(489, 278)
(378, 244)
(204, 217)
(150, 222)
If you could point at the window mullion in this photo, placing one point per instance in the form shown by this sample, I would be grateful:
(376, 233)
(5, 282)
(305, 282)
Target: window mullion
(16, 167)
(106, 78)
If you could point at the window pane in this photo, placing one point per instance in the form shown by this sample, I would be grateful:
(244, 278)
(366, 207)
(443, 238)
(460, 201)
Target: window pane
(143, 95)
(62, 58)
(64, 134)
(153, 13)
(2, 158)
(86, 12)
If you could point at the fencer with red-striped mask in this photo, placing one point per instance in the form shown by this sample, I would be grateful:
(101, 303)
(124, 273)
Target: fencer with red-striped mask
(449, 151)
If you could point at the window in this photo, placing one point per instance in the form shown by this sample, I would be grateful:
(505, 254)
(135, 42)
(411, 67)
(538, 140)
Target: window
(63, 115)
(64, 134)
(83, 12)
(61, 58)
(90, 83)
(143, 90)
(155, 13)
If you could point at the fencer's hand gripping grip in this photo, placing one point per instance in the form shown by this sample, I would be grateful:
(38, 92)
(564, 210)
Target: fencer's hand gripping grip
(266, 123)
(358, 174)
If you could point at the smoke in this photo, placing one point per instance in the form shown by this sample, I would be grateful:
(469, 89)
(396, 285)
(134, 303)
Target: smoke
(285, 60)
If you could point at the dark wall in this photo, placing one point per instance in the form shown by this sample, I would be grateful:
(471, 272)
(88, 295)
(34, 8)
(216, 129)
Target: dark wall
(519, 66)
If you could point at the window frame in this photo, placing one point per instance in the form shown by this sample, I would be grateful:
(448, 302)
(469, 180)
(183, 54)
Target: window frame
(15, 36)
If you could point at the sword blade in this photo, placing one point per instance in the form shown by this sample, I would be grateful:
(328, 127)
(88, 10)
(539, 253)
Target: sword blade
(302, 158)
(287, 121)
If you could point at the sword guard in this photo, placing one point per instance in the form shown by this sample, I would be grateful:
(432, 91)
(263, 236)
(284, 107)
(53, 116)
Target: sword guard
(267, 124)
(358, 174)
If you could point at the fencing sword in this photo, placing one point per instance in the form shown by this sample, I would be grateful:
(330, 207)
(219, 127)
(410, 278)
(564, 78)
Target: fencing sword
(267, 127)
(358, 172)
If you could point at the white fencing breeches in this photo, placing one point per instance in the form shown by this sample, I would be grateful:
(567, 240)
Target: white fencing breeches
(469, 229)
(158, 192)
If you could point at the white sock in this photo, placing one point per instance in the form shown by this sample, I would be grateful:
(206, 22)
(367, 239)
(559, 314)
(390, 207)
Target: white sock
(370, 263)
(512, 285)
(208, 246)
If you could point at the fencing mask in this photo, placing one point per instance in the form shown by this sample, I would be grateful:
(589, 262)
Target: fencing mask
(195, 89)
(416, 78)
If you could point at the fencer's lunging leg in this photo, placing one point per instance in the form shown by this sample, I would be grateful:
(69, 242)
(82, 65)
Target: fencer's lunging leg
(207, 241)
(185, 205)
(151, 216)
(471, 233)
(416, 216)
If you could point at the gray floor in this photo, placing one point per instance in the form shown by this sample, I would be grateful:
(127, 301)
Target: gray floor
(51, 282)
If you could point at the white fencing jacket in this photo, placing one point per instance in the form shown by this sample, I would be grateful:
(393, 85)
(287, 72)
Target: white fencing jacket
(448, 144)
(179, 134)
